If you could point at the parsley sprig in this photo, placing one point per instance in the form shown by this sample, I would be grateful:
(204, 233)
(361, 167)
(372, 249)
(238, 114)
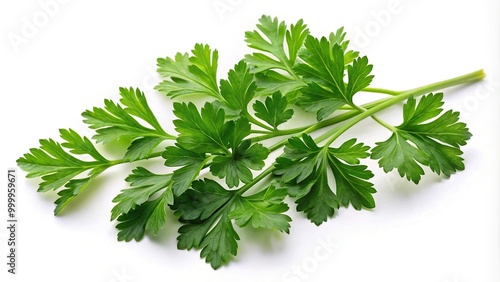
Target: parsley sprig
(222, 172)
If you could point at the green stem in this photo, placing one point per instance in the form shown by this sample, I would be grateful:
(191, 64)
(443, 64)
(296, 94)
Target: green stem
(264, 132)
(122, 161)
(377, 119)
(258, 123)
(256, 180)
(313, 127)
(334, 133)
(382, 91)
(308, 128)
(383, 123)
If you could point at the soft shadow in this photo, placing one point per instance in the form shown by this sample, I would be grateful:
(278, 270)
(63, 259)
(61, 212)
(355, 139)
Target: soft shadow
(168, 233)
(395, 185)
(265, 240)
(82, 200)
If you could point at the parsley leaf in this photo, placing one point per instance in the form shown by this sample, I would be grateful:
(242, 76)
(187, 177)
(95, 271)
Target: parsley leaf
(316, 98)
(239, 89)
(220, 244)
(276, 33)
(144, 184)
(150, 215)
(204, 211)
(304, 170)
(80, 145)
(324, 68)
(236, 166)
(191, 164)
(425, 137)
(207, 131)
(274, 111)
(58, 167)
(263, 210)
(187, 75)
(339, 37)
(115, 122)
(73, 188)
(204, 132)
(269, 82)
(351, 177)
(280, 47)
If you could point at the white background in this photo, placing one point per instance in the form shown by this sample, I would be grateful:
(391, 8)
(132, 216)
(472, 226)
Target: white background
(444, 230)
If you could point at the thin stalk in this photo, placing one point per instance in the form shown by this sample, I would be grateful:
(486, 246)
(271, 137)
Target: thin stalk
(308, 128)
(259, 124)
(377, 119)
(383, 123)
(313, 127)
(122, 161)
(334, 133)
(382, 91)
(256, 180)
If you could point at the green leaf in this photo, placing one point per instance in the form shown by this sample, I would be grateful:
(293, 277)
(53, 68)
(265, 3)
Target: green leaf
(397, 152)
(237, 166)
(136, 105)
(204, 211)
(144, 184)
(274, 111)
(269, 82)
(324, 68)
(323, 64)
(314, 197)
(114, 122)
(304, 173)
(231, 114)
(270, 38)
(55, 165)
(351, 179)
(239, 89)
(73, 188)
(80, 145)
(263, 210)
(350, 151)
(241, 128)
(142, 147)
(339, 37)
(202, 201)
(278, 48)
(150, 215)
(359, 76)
(305, 169)
(425, 137)
(220, 244)
(295, 37)
(58, 167)
(190, 162)
(187, 75)
(304, 150)
(206, 131)
(320, 100)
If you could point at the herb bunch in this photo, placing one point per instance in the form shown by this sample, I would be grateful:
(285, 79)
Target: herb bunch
(218, 173)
